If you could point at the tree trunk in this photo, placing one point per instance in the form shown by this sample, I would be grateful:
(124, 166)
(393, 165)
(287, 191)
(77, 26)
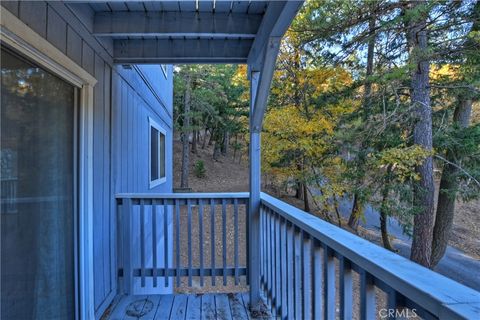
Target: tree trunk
(306, 203)
(194, 142)
(210, 140)
(217, 150)
(298, 190)
(422, 135)
(236, 146)
(383, 212)
(355, 214)
(339, 217)
(185, 137)
(449, 183)
(384, 230)
(226, 143)
(204, 138)
(448, 189)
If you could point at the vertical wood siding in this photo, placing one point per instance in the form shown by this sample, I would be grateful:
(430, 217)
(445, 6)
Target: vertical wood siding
(122, 102)
(135, 101)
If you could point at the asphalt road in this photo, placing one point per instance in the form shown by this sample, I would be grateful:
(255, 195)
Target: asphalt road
(455, 264)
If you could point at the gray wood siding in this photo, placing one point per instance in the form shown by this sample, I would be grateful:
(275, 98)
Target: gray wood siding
(68, 27)
(134, 102)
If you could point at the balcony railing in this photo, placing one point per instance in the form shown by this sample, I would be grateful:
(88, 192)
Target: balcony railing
(183, 237)
(310, 269)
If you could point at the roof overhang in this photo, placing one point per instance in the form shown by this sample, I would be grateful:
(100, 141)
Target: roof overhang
(176, 32)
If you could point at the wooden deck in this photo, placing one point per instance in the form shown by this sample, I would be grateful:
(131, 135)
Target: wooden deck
(181, 306)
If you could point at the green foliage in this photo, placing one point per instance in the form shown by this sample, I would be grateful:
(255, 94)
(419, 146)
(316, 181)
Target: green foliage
(401, 160)
(218, 100)
(199, 169)
(368, 141)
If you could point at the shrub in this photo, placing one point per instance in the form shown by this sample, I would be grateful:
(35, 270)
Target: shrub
(199, 169)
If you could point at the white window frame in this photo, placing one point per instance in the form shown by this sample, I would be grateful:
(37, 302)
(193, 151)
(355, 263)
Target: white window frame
(154, 183)
(164, 68)
(37, 49)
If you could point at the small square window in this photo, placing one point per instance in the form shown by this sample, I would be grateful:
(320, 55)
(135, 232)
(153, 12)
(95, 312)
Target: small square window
(157, 154)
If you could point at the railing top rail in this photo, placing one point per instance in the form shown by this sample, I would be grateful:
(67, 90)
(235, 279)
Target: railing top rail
(200, 195)
(439, 295)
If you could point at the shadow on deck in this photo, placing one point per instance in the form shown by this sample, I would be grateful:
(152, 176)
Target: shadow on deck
(183, 306)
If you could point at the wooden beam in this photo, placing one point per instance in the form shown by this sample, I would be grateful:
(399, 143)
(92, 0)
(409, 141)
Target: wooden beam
(176, 51)
(266, 75)
(176, 24)
(277, 19)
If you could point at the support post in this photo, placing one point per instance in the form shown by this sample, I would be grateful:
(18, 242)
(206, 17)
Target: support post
(254, 201)
(127, 213)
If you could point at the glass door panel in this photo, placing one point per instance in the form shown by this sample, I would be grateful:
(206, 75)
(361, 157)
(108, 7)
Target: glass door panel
(37, 192)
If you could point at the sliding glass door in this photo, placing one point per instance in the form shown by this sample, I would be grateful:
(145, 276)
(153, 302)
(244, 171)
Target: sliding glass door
(38, 187)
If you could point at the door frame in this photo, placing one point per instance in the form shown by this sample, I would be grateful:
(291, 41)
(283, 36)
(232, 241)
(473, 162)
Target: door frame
(18, 36)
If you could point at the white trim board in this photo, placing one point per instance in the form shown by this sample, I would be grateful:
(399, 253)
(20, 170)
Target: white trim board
(17, 35)
(154, 183)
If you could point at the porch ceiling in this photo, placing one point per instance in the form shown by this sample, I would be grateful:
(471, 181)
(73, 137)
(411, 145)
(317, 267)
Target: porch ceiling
(191, 31)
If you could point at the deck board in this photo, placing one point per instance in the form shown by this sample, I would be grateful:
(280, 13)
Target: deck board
(237, 307)
(179, 307)
(208, 307)
(182, 306)
(222, 307)
(164, 307)
(194, 307)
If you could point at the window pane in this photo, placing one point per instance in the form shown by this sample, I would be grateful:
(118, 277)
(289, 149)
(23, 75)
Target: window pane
(37, 203)
(153, 154)
(162, 155)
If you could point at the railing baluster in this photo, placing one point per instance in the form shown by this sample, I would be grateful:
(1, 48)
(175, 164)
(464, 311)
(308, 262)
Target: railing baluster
(278, 275)
(189, 237)
(142, 243)
(317, 280)
(290, 270)
(345, 289)
(307, 280)
(127, 210)
(269, 257)
(395, 301)
(212, 230)
(247, 241)
(367, 296)
(224, 240)
(283, 268)
(329, 283)
(298, 276)
(392, 302)
(262, 233)
(154, 242)
(274, 264)
(265, 251)
(165, 242)
(177, 222)
(235, 238)
(200, 233)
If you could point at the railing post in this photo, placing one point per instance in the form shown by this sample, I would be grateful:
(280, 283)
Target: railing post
(254, 202)
(127, 215)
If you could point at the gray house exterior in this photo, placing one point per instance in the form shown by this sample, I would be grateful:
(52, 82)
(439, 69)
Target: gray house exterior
(90, 227)
(124, 99)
